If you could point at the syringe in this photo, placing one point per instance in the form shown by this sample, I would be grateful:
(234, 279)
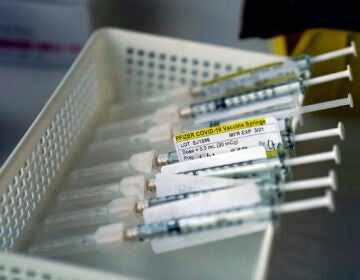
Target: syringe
(158, 186)
(114, 237)
(277, 96)
(161, 137)
(167, 185)
(256, 77)
(294, 112)
(150, 163)
(129, 209)
(147, 163)
(270, 142)
(254, 167)
(123, 209)
(301, 66)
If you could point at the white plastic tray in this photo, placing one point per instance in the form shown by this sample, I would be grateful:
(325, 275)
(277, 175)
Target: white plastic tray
(115, 66)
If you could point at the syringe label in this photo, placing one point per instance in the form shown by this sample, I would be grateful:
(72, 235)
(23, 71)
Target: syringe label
(228, 138)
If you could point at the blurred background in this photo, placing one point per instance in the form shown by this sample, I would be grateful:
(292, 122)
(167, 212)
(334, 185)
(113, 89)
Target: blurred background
(40, 39)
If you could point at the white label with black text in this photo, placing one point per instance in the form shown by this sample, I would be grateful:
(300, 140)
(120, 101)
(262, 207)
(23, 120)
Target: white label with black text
(228, 138)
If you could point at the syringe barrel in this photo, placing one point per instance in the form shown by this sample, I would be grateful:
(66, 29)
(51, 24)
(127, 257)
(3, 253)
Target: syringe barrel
(253, 78)
(243, 169)
(179, 196)
(225, 218)
(170, 198)
(207, 221)
(151, 231)
(291, 87)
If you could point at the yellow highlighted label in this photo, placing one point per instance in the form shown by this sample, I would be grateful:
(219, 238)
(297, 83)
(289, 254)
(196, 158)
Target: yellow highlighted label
(271, 153)
(218, 129)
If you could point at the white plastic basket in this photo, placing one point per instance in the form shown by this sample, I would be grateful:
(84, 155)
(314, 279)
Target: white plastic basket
(115, 66)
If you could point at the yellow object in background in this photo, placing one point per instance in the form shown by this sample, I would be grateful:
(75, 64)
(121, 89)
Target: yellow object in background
(318, 41)
(278, 45)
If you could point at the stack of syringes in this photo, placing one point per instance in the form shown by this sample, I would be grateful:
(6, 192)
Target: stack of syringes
(200, 164)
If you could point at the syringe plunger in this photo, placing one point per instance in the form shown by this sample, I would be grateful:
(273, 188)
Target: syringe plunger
(330, 77)
(332, 155)
(339, 131)
(112, 237)
(330, 55)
